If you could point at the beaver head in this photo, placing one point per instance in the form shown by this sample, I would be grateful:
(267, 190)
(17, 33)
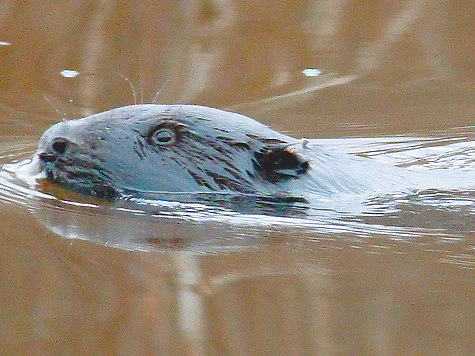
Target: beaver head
(168, 148)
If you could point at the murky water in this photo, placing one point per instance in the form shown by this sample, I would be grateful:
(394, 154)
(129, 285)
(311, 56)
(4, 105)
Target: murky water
(387, 272)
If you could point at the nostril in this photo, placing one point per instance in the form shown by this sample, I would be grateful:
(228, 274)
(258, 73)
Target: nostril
(60, 145)
(47, 157)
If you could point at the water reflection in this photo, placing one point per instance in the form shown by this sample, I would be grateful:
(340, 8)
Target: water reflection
(413, 50)
(396, 278)
(332, 295)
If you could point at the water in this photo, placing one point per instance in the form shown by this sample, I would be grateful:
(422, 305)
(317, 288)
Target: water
(358, 213)
(384, 272)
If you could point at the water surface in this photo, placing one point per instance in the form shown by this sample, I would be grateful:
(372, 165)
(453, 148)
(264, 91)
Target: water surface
(386, 273)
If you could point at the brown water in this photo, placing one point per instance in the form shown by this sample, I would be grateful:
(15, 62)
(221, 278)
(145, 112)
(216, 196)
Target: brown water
(84, 277)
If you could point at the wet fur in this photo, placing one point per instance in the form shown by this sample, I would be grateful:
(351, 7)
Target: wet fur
(213, 151)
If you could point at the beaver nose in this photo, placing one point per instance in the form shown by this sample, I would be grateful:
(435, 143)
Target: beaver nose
(57, 148)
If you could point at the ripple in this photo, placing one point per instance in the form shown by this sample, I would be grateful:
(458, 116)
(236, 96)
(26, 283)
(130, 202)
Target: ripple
(237, 223)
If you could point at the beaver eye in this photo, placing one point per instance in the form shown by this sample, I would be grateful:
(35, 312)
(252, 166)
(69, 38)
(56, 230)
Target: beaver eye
(163, 136)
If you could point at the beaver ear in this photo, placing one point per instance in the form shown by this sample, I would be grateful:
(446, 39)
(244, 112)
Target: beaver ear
(280, 163)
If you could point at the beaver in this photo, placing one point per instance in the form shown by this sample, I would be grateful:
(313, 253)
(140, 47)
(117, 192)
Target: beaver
(193, 149)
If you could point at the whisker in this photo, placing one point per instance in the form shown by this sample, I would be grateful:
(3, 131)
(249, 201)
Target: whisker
(55, 108)
(130, 84)
(159, 91)
(141, 87)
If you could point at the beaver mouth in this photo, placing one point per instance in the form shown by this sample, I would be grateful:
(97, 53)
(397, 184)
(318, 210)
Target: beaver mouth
(78, 174)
